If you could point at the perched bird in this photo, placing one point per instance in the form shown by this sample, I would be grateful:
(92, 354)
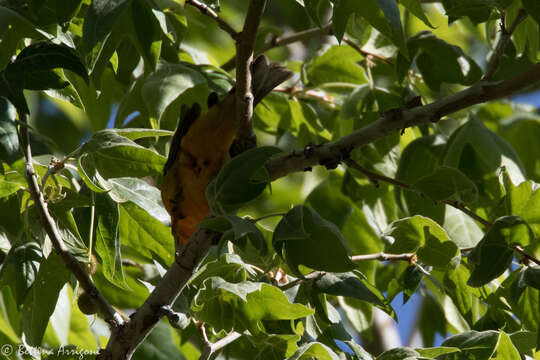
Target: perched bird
(200, 146)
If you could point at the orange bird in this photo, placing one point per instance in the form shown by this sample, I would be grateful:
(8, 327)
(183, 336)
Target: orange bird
(200, 146)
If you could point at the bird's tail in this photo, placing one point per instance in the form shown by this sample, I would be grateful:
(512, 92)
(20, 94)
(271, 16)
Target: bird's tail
(266, 76)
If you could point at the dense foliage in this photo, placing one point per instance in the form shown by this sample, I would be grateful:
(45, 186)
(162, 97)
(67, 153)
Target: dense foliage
(367, 194)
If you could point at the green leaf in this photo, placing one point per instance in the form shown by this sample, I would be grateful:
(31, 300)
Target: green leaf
(522, 201)
(314, 350)
(230, 267)
(141, 193)
(349, 285)
(41, 300)
(246, 304)
(410, 170)
(337, 64)
(141, 133)
(531, 276)
(478, 152)
(114, 156)
(520, 132)
(477, 345)
(463, 231)
(9, 140)
(242, 228)
(524, 340)
(494, 253)
(166, 84)
(147, 32)
(533, 9)
(145, 235)
(410, 234)
(436, 351)
(400, 353)
(330, 202)
(13, 28)
(9, 187)
(100, 19)
(159, 345)
(415, 7)
(505, 349)
(89, 174)
(20, 269)
(435, 252)
(447, 183)
(463, 296)
(316, 9)
(32, 67)
(240, 181)
(476, 10)
(525, 37)
(132, 295)
(302, 236)
(383, 15)
(108, 241)
(432, 53)
(410, 280)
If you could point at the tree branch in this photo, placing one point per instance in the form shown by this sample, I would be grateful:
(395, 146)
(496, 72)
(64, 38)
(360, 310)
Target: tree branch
(378, 177)
(278, 41)
(210, 348)
(520, 250)
(301, 36)
(124, 340)
(504, 39)
(110, 315)
(206, 10)
(331, 154)
(245, 137)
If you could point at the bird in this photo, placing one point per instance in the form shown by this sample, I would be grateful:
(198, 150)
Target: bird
(200, 147)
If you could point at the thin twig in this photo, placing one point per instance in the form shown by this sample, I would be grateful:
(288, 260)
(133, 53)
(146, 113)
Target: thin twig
(207, 10)
(301, 36)
(373, 176)
(278, 41)
(363, 52)
(245, 43)
(48, 223)
(504, 39)
(520, 250)
(209, 347)
(382, 256)
(310, 276)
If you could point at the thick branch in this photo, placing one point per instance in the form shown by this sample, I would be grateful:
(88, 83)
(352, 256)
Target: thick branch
(48, 223)
(504, 39)
(244, 97)
(333, 153)
(378, 177)
(206, 10)
(124, 340)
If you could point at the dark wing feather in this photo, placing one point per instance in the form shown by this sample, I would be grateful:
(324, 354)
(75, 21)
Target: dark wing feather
(188, 115)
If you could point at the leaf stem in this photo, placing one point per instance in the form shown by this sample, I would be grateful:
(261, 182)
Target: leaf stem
(267, 216)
